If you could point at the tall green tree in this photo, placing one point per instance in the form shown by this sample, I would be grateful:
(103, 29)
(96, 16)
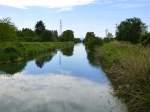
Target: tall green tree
(67, 35)
(39, 27)
(7, 30)
(131, 30)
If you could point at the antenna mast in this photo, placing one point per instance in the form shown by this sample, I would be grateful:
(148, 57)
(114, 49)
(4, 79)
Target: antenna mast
(60, 28)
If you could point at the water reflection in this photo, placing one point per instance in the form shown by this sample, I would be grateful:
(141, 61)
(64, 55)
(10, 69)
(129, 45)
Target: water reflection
(41, 60)
(64, 80)
(12, 68)
(67, 51)
(56, 93)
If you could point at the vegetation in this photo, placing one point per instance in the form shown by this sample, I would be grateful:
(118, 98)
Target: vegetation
(91, 41)
(39, 27)
(128, 67)
(16, 51)
(145, 39)
(7, 30)
(50, 36)
(67, 35)
(131, 30)
(27, 35)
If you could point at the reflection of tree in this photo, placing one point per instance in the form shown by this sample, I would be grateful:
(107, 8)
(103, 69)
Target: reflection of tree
(40, 61)
(12, 68)
(68, 51)
(91, 56)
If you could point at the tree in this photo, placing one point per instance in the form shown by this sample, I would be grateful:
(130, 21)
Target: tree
(39, 27)
(55, 34)
(7, 30)
(89, 36)
(67, 35)
(48, 35)
(131, 30)
(27, 34)
(91, 41)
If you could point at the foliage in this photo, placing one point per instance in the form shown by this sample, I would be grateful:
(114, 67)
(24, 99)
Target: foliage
(128, 67)
(39, 27)
(145, 39)
(12, 51)
(28, 35)
(77, 40)
(91, 41)
(131, 30)
(67, 35)
(49, 36)
(7, 30)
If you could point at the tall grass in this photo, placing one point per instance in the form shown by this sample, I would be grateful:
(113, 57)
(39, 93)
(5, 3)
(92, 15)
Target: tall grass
(128, 67)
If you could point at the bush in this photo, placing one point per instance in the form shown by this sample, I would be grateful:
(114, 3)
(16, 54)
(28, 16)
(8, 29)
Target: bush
(7, 30)
(145, 39)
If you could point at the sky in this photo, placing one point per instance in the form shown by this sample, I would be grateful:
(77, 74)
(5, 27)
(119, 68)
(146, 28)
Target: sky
(81, 16)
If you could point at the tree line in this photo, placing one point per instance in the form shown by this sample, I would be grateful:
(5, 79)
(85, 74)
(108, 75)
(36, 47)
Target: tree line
(9, 32)
(131, 30)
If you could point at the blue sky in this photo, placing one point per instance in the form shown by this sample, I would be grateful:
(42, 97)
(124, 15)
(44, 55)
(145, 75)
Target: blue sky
(79, 15)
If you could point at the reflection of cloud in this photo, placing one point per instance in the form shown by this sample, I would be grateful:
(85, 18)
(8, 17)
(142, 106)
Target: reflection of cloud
(62, 4)
(55, 93)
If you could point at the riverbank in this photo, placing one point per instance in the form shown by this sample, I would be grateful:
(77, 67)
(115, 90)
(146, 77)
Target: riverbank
(17, 51)
(128, 67)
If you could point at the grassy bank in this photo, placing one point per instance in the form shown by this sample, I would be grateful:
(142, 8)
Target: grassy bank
(16, 51)
(128, 67)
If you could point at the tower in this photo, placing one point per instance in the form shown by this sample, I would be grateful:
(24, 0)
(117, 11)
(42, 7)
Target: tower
(106, 32)
(60, 28)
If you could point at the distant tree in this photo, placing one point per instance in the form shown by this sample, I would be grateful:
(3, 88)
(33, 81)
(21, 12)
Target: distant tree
(48, 35)
(7, 30)
(55, 34)
(67, 35)
(91, 41)
(89, 36)
(39, 27)
(77, 40)
(131, 30)
(27, 34)
(109, 35)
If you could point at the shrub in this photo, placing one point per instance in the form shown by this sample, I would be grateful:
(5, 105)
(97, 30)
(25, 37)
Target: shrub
(145, 39)
(7, 30)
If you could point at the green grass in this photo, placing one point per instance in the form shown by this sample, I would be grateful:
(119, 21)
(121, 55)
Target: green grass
(128, 67)
(16, 51)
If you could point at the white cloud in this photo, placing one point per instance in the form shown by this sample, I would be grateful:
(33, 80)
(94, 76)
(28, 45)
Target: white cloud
(60, 4)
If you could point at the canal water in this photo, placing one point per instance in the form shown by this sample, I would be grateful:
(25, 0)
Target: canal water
(63, 81)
